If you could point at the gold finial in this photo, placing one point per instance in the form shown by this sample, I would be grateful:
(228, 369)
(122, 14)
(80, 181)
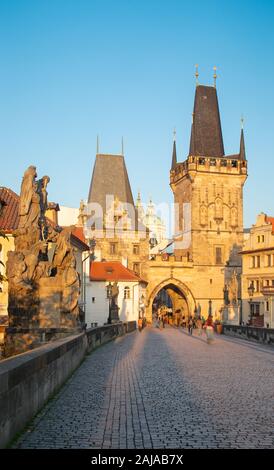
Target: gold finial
(174, 134)
(215, 75)
(242, 122)
(196, 74)
(97, 145)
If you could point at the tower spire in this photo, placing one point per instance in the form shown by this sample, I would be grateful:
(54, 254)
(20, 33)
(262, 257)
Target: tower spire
(97, 145)
(196, 74)
(214, 75)
(206, 133)
(174, 153)
(122, 145)
(242, 155)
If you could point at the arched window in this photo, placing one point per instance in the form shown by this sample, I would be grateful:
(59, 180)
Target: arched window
(126, 292)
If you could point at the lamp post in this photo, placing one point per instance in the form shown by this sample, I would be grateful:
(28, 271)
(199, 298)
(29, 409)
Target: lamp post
(109, 296)
(250, 291)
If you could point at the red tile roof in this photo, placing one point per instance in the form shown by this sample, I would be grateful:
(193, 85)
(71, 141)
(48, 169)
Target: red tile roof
(78, 235)
(271, 221)
(111, 271)
(9, 218)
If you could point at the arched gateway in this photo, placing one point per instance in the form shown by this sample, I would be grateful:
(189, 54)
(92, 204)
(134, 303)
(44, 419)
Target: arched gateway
(183, 302)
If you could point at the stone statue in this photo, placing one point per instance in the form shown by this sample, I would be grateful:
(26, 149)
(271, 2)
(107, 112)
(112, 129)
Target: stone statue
(63, 246)
(29, 203)
(71, 285)
(42, 291)
(233, 289)
(43, 182)
(115, 293)
(234, 216)
(203, 215)
(16, 270)
(218, 208)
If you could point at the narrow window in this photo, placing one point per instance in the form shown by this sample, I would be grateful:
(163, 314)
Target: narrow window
(218, 255)
(136, 268)
(113, 248)
(136, 249)
(126, 292)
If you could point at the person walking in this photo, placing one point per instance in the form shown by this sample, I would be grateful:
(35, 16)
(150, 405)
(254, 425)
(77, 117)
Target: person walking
(209, 329)
(190, 325)
(199, 325)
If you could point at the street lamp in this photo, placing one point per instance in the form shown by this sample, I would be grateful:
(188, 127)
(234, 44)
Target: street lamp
(250, 291)
(209, 307)
(109, 296)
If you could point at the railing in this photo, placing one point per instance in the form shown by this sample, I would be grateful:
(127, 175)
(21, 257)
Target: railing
(267, 290)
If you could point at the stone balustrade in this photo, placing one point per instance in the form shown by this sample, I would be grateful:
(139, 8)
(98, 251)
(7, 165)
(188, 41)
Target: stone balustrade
(251, 333)
(29, 379)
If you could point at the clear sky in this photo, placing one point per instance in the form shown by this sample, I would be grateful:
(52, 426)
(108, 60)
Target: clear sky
(72, 69)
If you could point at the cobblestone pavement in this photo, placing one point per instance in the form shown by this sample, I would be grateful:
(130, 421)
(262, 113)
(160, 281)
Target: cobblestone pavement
(163, 389)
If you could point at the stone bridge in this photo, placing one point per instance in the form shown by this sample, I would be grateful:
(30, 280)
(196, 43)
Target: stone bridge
(163, 389)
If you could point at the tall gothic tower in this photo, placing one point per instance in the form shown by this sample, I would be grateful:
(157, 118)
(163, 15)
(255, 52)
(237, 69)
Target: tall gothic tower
(208, 190)
(208, 187)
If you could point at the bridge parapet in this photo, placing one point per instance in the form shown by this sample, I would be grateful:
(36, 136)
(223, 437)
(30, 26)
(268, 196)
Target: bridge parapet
(29, 379)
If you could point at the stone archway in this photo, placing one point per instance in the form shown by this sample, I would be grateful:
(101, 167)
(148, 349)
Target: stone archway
(173, 287)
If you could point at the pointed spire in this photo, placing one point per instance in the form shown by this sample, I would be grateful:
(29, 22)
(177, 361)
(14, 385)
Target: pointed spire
(174, 153)
(97, 145)
(138, 200)
(242, 155)
(214, 75)
(206, 132)
(196, 74)
(122, 145)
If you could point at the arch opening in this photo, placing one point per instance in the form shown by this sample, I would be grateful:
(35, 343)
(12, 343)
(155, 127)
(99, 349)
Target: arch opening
(170, 302)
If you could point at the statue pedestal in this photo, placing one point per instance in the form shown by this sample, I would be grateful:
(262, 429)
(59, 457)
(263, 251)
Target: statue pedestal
(45, 320)
(50, 296)
(231, 314)
(114, 313)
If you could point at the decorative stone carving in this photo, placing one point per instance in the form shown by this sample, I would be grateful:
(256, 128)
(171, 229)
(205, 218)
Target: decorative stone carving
(218, 208)
(43, 290)
(203, 215)
(234, 217)
(233, 289)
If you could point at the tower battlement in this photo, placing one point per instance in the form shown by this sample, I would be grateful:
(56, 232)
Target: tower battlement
(230, 165)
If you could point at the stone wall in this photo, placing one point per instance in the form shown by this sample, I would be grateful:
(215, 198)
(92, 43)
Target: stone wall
(251, 333)
(28, 380)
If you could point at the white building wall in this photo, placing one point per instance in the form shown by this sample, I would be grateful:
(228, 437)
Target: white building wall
(67, 216)
(97, 311)
(129, 308)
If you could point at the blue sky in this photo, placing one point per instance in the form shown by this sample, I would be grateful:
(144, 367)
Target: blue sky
(70, 70)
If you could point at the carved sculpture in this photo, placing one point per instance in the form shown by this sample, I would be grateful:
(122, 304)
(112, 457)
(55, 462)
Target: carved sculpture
(218, 208)
(203, 215)
(41, 292)
(233, 289)
(234, 216)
